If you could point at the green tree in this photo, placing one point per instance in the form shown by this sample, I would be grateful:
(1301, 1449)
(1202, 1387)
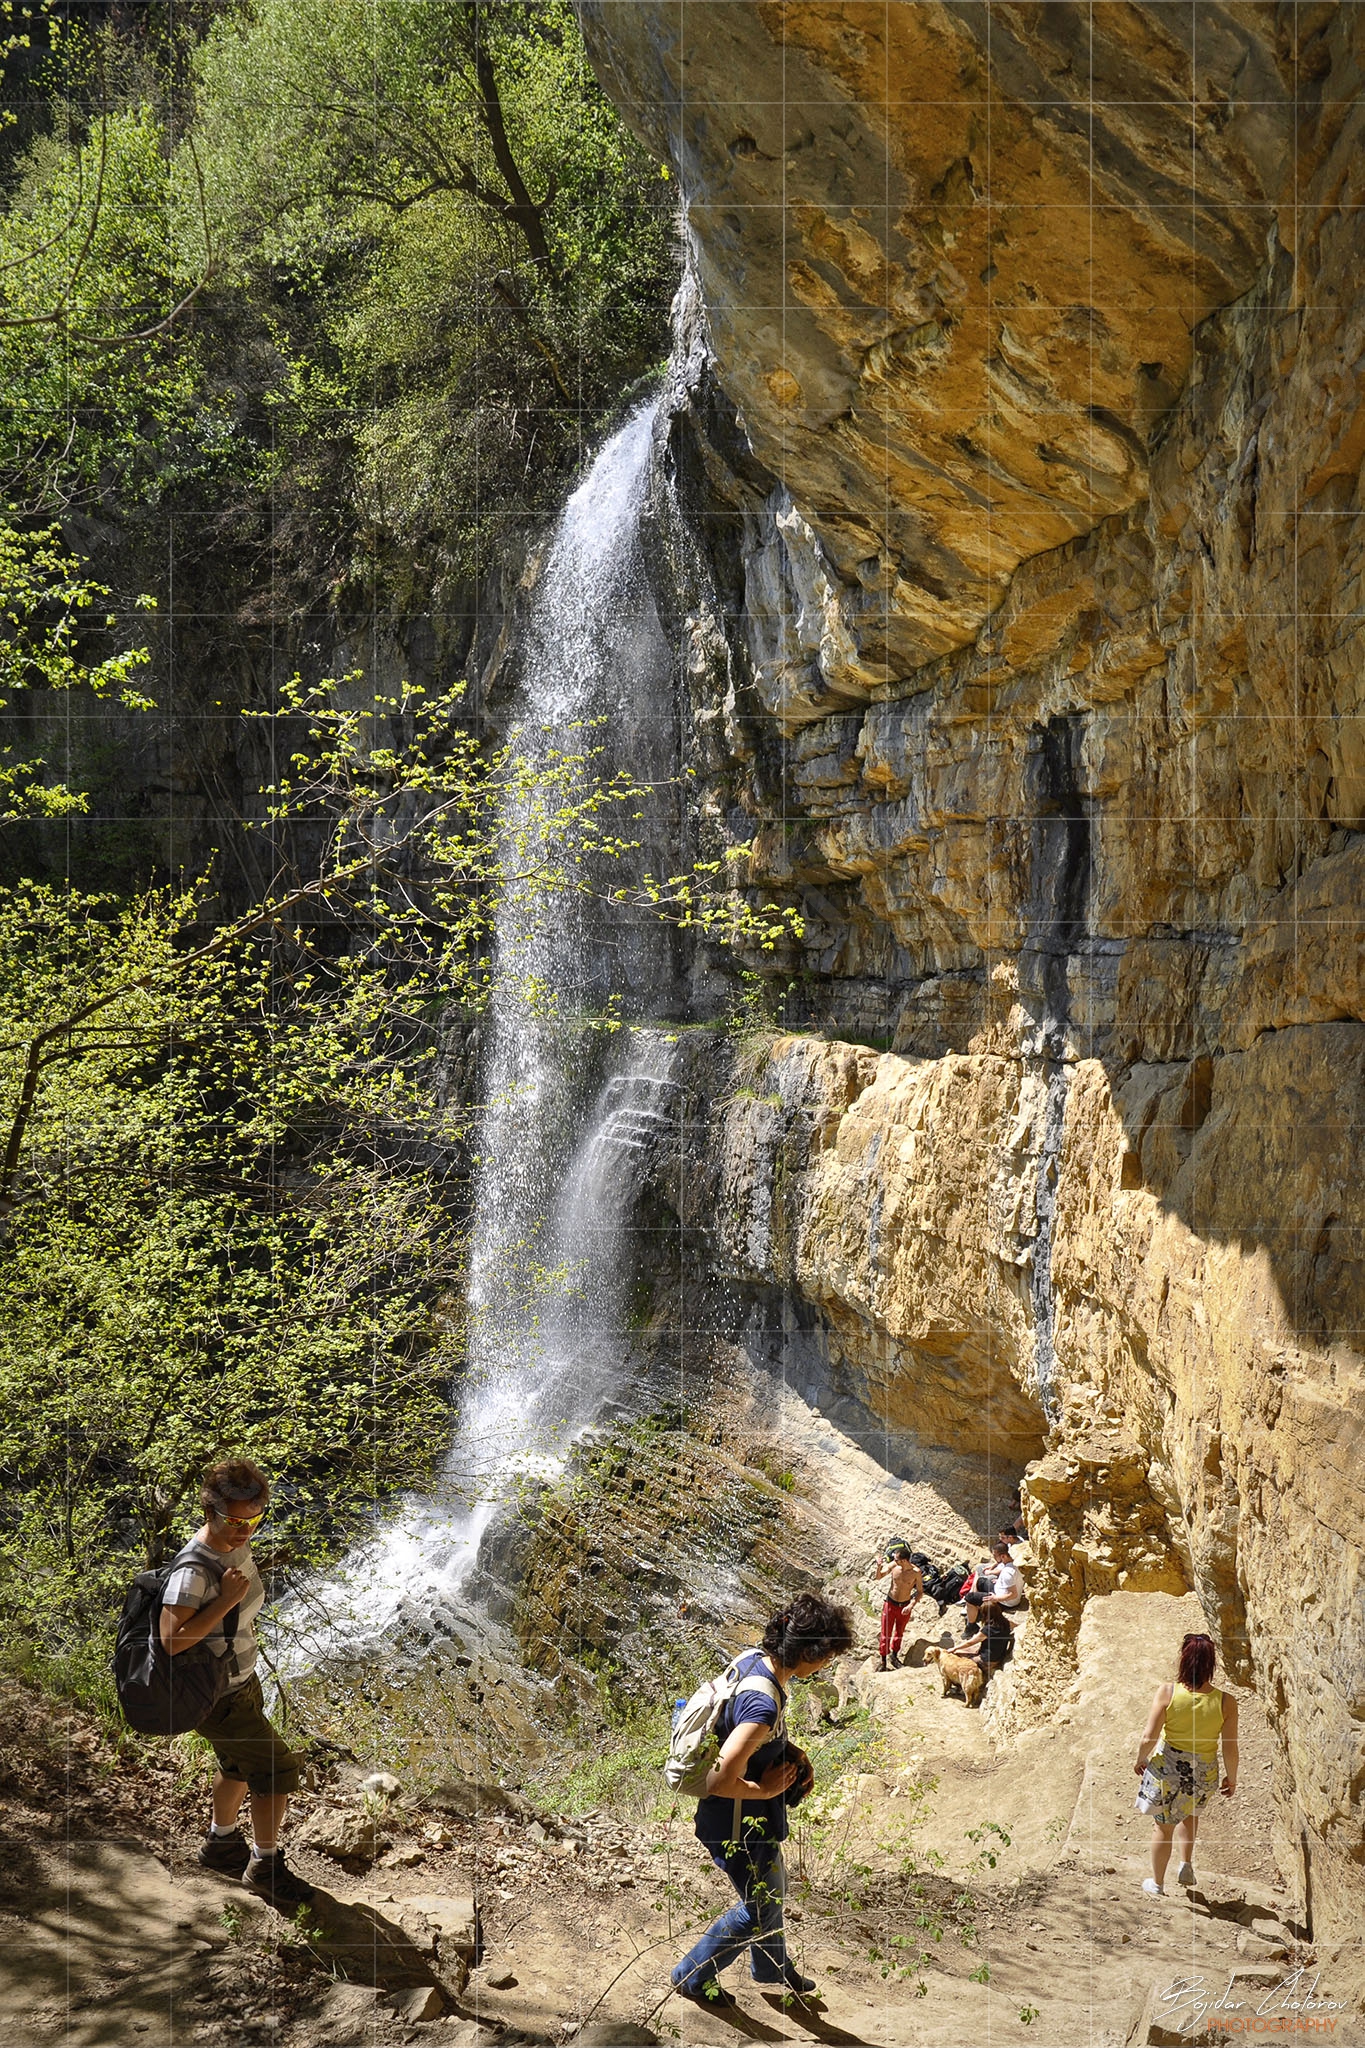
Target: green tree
(486, 251)
(44, 600)
(213, 1238)
(101, 369)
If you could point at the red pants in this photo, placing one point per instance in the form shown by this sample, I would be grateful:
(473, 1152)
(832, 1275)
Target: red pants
(894, 1618)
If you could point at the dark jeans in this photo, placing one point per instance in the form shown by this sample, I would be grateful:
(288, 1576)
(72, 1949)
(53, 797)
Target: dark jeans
(755, 1922)
(974, 1601)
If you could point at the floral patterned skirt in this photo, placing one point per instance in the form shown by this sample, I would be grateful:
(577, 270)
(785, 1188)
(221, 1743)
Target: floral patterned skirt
(1176, 1786)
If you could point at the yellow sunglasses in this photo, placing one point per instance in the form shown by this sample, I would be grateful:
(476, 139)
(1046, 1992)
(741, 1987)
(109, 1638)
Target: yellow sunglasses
(240, 1521)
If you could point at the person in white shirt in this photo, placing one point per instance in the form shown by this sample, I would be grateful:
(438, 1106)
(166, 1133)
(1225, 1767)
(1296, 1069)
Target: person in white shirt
(1007, 1588)
(214, 1580)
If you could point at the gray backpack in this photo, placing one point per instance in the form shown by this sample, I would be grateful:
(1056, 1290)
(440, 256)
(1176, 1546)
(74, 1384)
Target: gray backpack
(696, 1744)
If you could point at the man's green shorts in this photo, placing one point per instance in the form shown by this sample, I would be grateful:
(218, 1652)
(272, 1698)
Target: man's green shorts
(246, 1745)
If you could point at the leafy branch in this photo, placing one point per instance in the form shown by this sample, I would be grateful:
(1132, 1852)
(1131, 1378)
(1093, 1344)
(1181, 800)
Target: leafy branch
(423, 841)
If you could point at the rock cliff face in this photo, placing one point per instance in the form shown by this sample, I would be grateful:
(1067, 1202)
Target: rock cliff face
(1025, 495)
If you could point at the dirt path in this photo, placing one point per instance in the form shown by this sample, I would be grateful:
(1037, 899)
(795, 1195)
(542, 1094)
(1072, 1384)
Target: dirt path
(1062, 1946)
(960, 1891)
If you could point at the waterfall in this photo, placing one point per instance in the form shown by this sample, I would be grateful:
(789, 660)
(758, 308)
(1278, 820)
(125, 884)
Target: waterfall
(574, 1108)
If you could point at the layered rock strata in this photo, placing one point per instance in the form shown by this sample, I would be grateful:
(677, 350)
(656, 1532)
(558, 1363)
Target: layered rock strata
(1026, 665)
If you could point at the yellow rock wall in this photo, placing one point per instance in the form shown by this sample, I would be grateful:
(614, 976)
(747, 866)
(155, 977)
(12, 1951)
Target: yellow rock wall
(1033, 676)
(1212, 1425)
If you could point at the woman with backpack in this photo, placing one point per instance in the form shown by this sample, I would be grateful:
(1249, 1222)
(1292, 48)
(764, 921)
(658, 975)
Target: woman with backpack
(214, 1575)
(742, 1814)
(1177, 1759)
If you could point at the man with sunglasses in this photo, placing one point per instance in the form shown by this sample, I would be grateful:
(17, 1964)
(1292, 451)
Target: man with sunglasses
(212, 1575)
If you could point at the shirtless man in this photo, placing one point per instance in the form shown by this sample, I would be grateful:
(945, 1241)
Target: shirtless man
(907, 1586)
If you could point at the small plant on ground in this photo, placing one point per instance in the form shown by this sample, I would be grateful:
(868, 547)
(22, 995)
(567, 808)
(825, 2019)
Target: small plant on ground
(988, 1856)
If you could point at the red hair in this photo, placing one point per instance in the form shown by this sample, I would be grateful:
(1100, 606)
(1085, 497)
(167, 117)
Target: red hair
(1197, 1658)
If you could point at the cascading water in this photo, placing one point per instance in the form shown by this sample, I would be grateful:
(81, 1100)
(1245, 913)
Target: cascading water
(560, 1165)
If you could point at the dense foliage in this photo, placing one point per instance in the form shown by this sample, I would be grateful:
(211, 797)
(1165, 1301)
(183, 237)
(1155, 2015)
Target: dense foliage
(302, 303)
(206, 1242)
(442, 207)
(231, 1170)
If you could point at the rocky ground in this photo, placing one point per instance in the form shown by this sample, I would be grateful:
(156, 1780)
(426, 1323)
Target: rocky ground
(941, 1889)
(953, 1877)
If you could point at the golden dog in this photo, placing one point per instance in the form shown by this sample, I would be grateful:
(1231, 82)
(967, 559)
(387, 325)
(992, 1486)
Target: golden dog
(964, 1672)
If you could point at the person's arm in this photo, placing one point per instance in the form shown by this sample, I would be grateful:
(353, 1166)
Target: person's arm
(726, 1778)
(1151, 1734)
(883, 1567)
(969, 1645)
(183, 1627)
(1230, 1752)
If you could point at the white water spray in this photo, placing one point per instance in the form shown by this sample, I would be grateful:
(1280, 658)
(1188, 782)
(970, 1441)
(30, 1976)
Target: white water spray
(558, 1174)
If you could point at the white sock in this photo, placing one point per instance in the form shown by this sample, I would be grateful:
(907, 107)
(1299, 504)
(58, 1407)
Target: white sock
(230, 1829)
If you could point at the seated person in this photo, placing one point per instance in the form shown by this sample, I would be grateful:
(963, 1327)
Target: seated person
(1006, 1590)
(992, 1642)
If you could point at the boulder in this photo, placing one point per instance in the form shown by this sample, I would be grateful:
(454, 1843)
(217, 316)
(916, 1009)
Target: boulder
(426, 2003)
(381, 1784)
(349, 1835)
(469, 1799)
(497, 1977)
(362, 1943)
(442, 1926)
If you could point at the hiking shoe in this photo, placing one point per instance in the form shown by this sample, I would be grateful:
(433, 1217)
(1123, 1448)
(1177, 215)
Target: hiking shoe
(790, 1980)
(708, 1992)
(227, 1854)
(882, 1665)
(1185, 1874)
(1153, 1889)
(271, 1878)
(895, 1660)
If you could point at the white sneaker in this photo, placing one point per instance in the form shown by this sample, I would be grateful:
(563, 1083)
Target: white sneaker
(1152, 1888)
(1185, 1874)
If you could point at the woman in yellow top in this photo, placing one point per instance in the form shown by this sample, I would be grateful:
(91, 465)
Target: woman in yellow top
(1177, 1759)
